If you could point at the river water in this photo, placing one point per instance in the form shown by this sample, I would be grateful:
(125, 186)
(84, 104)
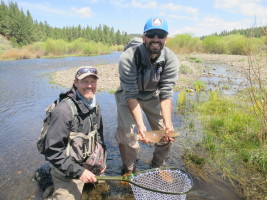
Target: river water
(26, 92)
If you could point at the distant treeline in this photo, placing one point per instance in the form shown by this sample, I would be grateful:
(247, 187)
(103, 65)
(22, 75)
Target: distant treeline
(256, 32)
(21, 29)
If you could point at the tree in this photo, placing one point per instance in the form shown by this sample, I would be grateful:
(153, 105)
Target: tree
(23, 30)
(118, 38)
(4, 20)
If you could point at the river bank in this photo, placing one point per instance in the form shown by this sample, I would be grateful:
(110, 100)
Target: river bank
(193, 64)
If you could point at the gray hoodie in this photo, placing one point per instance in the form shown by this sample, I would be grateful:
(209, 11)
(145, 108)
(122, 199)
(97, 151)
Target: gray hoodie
(153, 79)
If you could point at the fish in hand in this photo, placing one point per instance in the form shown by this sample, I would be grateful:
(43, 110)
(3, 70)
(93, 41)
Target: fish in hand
(154, 136)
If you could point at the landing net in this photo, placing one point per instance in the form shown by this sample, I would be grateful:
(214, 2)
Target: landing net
(162, 182)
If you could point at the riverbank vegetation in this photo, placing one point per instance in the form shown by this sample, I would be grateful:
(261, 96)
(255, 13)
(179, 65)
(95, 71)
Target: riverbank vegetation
(234, 129)
(181, 44)
(59, 48)
(234, 44)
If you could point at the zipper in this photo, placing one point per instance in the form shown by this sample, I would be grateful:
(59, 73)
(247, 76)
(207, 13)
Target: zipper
(142, 79)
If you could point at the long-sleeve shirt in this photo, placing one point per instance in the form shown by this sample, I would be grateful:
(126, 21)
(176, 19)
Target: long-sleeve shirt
(138, 83)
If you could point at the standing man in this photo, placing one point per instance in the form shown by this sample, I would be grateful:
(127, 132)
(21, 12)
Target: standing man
(73, 137)
(148, 73)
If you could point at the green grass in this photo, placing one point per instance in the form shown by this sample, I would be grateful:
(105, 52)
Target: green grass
(199, 85)
(198, 160)
(197, 60)
(185, 69)
(232, 137)
(236, 128)
(52, 82)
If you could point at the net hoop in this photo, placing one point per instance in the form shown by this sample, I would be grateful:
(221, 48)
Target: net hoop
(166, 180)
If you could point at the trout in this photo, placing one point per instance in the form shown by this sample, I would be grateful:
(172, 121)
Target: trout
(154, 136)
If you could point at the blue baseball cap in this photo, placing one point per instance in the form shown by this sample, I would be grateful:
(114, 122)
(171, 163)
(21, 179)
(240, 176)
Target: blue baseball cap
(156, 23)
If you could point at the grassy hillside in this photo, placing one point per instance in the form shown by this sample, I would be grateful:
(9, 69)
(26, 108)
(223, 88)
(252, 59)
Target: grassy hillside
(4, 44)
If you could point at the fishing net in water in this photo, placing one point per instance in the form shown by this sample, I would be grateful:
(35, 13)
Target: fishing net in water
(165, 184)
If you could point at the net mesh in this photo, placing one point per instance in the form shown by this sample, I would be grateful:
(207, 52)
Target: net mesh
(167, 180)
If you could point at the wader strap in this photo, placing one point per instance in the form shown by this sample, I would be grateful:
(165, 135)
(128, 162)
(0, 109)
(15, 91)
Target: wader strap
(74, 111)
(89, 142)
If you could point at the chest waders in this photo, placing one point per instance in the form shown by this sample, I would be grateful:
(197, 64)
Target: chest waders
(80, 146)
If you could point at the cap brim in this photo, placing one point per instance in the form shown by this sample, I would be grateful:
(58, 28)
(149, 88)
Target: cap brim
(156, 29)
(82, 76)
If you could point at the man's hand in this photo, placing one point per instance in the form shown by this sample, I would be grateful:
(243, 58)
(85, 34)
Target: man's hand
(141, 132)
(166, 138)
(103, 170)
(166, 109)
(137, 115)
(88, 177)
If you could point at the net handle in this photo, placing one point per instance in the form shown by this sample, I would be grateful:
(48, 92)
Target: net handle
(113, 178)
(127, 179)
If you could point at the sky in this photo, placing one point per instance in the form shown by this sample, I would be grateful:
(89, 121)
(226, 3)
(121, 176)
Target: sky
(196, 17)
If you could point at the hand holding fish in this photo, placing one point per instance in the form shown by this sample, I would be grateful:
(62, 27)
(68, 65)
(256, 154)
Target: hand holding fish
(142, 135)
(167, 137)
(155, 136)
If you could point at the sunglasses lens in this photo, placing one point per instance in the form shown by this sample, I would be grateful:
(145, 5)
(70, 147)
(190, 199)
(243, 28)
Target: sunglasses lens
(151, 35)
(161, 35)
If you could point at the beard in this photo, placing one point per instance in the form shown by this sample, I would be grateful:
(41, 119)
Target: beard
(154, 47)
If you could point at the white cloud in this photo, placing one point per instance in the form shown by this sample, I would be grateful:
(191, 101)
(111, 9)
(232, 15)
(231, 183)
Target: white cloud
(140, 4)
(210, 25)
(213, 24)
(183, 17)
(84, 12)
(250, 8)
(94, 1)
(121, 3)
(233, 3)
(42, 8)
(191, 30)
(174, 7)
(226, 3)
(254, 10)
(143, 4)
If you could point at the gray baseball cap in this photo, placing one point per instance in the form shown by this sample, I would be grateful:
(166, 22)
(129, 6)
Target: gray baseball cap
(84, 71)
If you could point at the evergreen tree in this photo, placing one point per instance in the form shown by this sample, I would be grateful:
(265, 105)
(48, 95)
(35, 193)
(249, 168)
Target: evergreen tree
(112, 36)
(21, 29)
(118, 38)
(38, 30)
(4, 20)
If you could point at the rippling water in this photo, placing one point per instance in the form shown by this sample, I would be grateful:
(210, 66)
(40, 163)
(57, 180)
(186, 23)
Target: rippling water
(25, 93)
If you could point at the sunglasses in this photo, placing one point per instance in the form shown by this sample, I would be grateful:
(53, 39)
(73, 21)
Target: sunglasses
(85, 70)
(160, 35)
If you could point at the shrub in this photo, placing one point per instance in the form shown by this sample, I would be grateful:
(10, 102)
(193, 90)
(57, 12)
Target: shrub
(254, 45)
(77, 46)
(215, 44)
(236, 44)
(56, 47)
(184, 43)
